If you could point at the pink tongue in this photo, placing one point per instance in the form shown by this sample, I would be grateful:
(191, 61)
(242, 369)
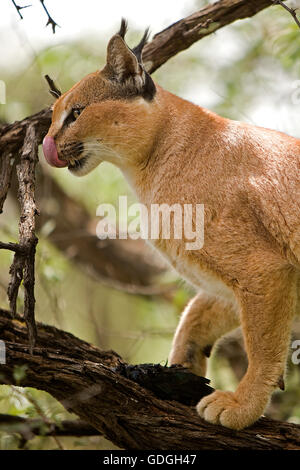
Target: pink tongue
(50, 152)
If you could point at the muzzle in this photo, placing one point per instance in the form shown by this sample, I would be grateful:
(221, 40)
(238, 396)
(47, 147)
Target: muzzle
(50, 153)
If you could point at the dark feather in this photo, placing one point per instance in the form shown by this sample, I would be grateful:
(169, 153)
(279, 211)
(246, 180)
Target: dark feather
(168, 383)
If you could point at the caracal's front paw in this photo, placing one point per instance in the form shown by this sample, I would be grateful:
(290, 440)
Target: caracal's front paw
(227, 409)
(197, 368)
(190, 356)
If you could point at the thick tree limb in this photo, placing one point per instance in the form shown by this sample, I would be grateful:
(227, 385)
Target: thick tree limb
(182, 34)
(82, 378)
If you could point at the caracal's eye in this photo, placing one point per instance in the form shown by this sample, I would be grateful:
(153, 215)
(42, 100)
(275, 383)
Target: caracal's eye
(76, 113)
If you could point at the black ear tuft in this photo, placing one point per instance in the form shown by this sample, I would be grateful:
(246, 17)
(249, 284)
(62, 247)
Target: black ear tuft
(124, 66)
(137, 50)
(123, 28)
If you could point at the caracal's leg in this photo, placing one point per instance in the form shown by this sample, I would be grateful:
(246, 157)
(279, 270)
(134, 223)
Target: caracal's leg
(268, 300)
(204, 320)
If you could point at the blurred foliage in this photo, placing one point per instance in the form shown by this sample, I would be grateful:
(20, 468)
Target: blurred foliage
(247, 72)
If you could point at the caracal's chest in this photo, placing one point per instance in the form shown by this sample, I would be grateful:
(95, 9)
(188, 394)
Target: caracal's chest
(192, 269)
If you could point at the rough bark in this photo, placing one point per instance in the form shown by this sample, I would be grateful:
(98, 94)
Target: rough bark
(82, 378)
(23, 266)
(182, 34)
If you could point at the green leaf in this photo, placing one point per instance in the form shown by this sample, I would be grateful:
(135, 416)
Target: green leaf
(19, 373)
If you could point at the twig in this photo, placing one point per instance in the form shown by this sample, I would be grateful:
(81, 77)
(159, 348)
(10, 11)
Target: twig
(54, 91)
(164, 290)
(50, 19)
(16, 276)
(18, 8)
(12, 247)
(7, 165)
(44, 418)
(30, 427)
(292, 11)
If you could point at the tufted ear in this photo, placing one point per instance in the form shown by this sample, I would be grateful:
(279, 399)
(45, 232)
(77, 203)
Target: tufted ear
(121, 61)
(124, 65)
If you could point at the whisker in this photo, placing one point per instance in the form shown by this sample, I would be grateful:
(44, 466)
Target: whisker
(97, 146)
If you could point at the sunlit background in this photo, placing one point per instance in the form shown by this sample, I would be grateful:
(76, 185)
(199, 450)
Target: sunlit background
(249, 71)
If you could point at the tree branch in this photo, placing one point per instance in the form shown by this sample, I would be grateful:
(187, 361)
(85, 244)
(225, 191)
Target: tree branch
(19, 8)
(30, 427)
(54, 91)
(42, 2)
(50, 19)
(292, 11)
(12, 247)
(22, 267)
(83, 378)
(182, 34)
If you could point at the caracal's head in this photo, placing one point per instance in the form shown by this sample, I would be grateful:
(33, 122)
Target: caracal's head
(105, 116)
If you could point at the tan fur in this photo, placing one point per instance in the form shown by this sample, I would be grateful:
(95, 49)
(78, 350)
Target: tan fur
(247, 177)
